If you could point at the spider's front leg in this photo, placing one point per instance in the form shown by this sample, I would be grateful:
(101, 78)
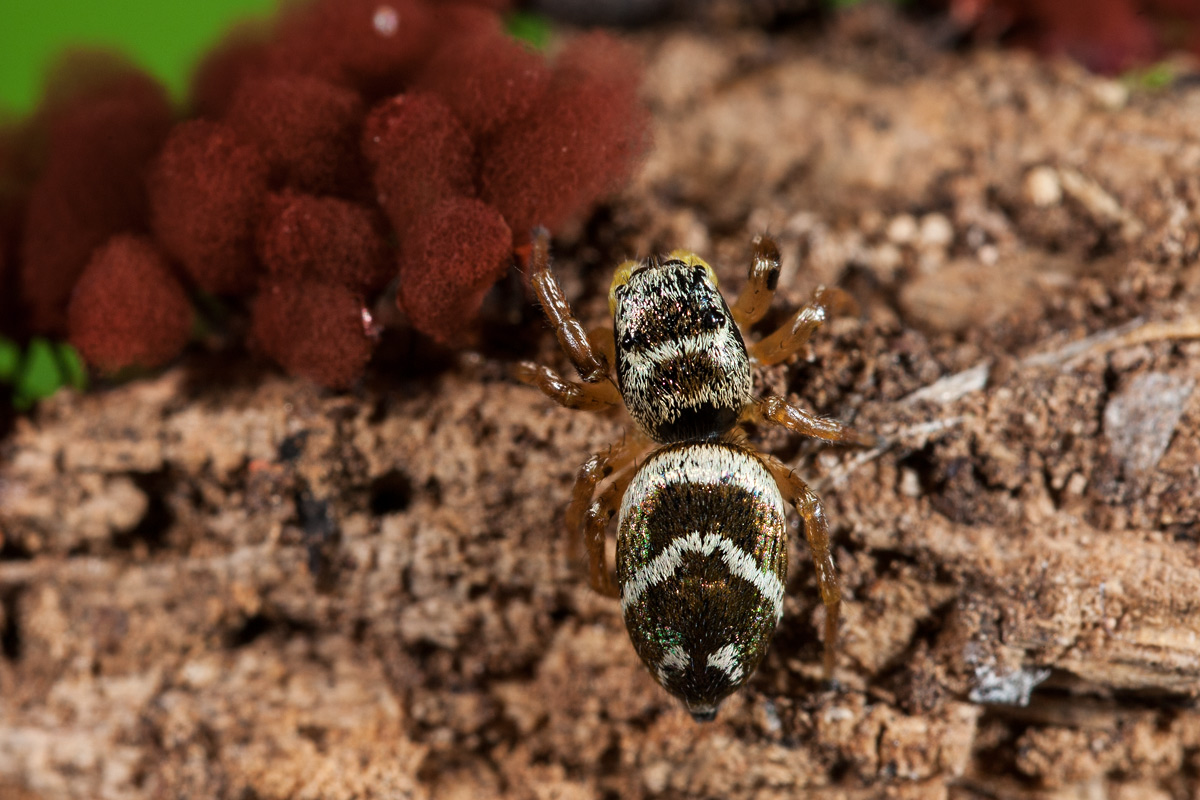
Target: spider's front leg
(796, 331)
(756, 297)
(592, 366)
(816, 531)
(590, 355)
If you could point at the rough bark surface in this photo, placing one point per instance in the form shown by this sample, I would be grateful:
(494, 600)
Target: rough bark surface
(222, 583)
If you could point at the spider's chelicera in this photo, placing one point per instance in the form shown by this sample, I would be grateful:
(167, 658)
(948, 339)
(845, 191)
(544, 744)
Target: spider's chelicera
(701, 531)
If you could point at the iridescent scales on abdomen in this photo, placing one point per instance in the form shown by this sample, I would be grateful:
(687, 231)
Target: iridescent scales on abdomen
(701, 562)
(701, 547)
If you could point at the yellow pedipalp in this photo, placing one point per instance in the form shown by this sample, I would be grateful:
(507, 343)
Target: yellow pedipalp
(620, 278)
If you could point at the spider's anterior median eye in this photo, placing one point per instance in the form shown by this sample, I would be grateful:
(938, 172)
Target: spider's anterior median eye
(712, 319)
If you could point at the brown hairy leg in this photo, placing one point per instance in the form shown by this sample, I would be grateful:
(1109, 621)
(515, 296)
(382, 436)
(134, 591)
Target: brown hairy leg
(570, 394)
(795, 333)
(816, 531)
(592, 367)
(595, 523)
(756, 297)
(777, 411)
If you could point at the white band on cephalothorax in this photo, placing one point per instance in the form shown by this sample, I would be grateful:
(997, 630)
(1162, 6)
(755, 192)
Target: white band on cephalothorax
(642, 370)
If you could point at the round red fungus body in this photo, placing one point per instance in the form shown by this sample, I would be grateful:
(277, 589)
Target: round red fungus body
(99, 136)
(206, 191)
(545, 168)
(456, 251)
(312, 329)
(242, 53)
(420, 154)
(372, 45)
(128, 308)
(486, 78)
(306, 129)
(325, 239)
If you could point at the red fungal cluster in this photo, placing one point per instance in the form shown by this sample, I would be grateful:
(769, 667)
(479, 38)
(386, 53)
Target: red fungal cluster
(540, 168)
(458, 235)
(98, 138)
(419, 153)
(1106, 35)
(353, 143)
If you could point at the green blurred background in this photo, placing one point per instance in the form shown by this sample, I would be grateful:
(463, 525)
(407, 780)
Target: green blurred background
(166, 38)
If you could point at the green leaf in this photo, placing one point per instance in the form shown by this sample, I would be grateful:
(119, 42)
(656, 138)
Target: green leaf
(533, 29)
(10, 359)
(1152, 78)
(40, 374)
(73, 371)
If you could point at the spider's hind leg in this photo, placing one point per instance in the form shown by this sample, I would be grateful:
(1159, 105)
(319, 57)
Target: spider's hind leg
(595, 523)
(588, 518)
(816, 531)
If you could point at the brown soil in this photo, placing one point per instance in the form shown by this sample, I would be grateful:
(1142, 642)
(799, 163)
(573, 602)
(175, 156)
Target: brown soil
(223, 583)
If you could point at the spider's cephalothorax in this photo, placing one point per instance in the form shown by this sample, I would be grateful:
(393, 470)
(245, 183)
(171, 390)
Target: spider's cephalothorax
(701, 544)
(702, 590)
(682, 366)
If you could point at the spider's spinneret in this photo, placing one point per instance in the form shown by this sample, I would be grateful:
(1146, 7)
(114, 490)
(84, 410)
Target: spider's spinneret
(701, 565)
(682, 365)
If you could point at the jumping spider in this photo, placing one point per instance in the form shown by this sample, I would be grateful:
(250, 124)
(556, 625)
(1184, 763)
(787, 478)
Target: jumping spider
(701, 534)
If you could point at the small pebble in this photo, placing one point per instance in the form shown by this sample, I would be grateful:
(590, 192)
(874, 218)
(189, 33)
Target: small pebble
(1112, 95)
(1140, 421)
(1042, 187)
(936, 231)
(902, 229)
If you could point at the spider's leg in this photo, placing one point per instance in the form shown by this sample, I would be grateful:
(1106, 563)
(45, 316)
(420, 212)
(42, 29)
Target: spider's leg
(617, 458)
(777, 411)
(595, 522)
(816, 531)
(795, 332)
(570, 394)
(756, 297)
(592, 366)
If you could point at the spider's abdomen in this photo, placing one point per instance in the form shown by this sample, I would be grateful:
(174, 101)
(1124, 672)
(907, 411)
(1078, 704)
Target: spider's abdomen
(681, 364)
(701, 564)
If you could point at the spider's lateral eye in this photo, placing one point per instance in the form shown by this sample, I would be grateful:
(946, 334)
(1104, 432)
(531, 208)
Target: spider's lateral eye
(627, 341)
(712, 319)
(698, 276)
